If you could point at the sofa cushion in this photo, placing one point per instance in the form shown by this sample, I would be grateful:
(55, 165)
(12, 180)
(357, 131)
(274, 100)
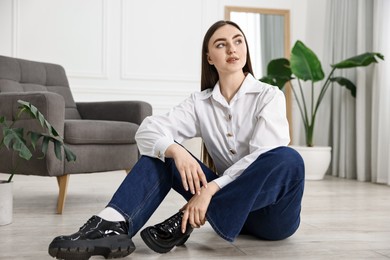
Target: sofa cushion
(99, 132)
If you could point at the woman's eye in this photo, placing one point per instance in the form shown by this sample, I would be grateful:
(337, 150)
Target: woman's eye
(220, 45)
(239, 41)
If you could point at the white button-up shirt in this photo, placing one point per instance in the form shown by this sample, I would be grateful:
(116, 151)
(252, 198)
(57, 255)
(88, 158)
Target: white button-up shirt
(234, 133)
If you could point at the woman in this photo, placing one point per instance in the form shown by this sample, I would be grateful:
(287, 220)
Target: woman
(258, 183)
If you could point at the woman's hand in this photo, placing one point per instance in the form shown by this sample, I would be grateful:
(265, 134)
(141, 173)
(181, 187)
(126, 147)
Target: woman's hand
(196, 208)
(191, 173)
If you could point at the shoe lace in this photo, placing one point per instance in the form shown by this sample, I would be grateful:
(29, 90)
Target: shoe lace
(89, 221)
(172, 224)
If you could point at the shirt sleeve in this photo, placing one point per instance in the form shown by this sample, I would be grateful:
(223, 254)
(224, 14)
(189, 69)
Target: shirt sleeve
(156, 133)
(271, 131)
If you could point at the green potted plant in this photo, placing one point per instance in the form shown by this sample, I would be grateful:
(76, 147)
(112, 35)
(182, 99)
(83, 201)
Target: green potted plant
(24, 143)
(305, 66)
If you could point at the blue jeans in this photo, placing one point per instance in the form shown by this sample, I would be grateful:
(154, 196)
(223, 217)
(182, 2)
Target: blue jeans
(264, 201)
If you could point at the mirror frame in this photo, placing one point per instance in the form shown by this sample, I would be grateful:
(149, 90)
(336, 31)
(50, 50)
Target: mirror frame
(286, 15)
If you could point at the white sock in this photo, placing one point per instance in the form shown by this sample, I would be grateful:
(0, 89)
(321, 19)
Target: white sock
(110, 214)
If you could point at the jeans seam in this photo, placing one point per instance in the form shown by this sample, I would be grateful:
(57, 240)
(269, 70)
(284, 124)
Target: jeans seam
(118, 209)
(139, 208)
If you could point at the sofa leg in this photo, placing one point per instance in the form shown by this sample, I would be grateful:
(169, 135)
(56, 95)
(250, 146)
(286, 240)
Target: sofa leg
(63, 187)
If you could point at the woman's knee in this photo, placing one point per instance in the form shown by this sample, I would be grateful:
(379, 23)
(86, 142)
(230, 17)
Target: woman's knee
(291, 159)
(289, 154)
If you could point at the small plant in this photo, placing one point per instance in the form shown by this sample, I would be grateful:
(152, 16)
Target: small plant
(24, 143)
(305, 65)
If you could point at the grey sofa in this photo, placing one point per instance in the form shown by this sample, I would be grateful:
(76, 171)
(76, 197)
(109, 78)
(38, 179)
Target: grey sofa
(101, 134)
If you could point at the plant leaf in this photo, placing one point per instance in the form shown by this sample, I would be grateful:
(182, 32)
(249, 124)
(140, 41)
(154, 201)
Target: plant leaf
(45, 145)
(48, 126)
(346, 83)
(57, 148)
(14, 138)
(270, 80)
(52, 135)
(34, 138)
(70, 156)
(361, 60)
(23, 103)
(25, 108)
(278, 73)
(55, 133)
(33, 111)
(304, 63)
(41, 118)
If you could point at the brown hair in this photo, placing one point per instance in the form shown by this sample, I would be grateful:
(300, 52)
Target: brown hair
(209, 75)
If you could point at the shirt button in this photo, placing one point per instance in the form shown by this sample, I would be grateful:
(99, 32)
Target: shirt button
(229, 134)
(232, 151)
(229, 117)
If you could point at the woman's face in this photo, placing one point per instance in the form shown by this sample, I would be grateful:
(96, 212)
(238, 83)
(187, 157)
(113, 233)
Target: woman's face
(227, 50)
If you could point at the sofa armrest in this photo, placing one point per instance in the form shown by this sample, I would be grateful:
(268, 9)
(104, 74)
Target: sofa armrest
(128, 111)
(50, 104)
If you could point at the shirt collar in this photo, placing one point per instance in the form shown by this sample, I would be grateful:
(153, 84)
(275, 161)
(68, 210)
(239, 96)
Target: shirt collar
(249, 85)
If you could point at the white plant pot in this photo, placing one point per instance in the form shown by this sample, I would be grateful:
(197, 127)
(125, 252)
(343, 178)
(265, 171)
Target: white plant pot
(316, 159)
(6, 203)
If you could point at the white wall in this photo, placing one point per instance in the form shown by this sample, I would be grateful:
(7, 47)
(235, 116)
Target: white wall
(123, 49)
(126, 49)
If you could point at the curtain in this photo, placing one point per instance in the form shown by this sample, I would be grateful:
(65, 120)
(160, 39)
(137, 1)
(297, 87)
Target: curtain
(341, 36)
(358, 126)
(364, 95)
(381, 96)
(272, 38)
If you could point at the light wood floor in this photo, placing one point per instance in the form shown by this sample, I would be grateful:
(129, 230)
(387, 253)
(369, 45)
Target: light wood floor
(341, 219)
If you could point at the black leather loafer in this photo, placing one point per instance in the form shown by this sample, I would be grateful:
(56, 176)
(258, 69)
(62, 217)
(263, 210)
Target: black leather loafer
(96, 237)
(164, 236)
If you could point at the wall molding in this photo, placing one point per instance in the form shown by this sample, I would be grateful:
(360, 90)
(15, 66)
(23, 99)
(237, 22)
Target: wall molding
(138, 91)
(102, 74)
(125, 75)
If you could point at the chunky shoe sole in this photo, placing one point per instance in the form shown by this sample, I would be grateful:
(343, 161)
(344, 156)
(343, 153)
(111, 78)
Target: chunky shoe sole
(109, 247)
(157, 247)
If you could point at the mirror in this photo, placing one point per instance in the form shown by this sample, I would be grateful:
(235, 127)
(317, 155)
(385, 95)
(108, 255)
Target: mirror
(267, 32)
(268, 36)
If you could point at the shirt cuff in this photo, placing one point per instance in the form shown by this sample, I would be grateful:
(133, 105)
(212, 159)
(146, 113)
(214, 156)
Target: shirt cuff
(223, 181)
(161, 146)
